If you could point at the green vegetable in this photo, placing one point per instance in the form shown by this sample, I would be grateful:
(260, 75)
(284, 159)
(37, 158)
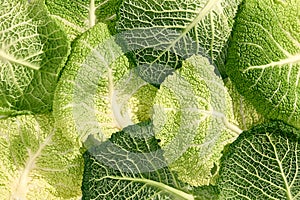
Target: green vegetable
(149, 99)
(193, 119)
(130, 165)
(262, 164)
(174, 31)
(97, 93)
(78, 16)
(33, 50)
(38, 162)
(263, 61)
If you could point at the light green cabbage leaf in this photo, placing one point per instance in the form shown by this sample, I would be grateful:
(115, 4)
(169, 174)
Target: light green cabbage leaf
(97, 93)
(193, 118)
(263, 163)
(264, 62)
(33, 50)
(38, 162)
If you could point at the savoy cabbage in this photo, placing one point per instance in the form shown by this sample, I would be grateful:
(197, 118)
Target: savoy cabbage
(175, 30)
(37, 161)
(194, 120)
(33, 50)
(262, 164)
(136, 99)
(91, 93)
(264, 65)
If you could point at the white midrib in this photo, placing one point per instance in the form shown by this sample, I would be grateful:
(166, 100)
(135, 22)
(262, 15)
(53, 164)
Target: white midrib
(295, 59)
(119, 120)
(8, 58)
(286, 185)
(92, 14)
(202, 13)
(159, 185)
(226, 123)
(21, 187)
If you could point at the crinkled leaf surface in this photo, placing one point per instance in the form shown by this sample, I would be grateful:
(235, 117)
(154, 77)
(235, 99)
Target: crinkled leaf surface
(264, 62)
(192, 118)
(162, 33)
(97, 92)
(130, 165)
(78, 16)
(263, 163)
(244, 112)
(37, 162)
(206, 192)
(33, 50)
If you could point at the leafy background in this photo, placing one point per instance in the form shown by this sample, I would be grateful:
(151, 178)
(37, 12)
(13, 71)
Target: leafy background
(128, 99)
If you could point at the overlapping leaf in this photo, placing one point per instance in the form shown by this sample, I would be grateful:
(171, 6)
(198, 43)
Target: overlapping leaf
(37, 162)
(263, 163)
(163, 33)
(264, 62)
(131, 165)
(193, 119)
(33, 50)
(97, 92)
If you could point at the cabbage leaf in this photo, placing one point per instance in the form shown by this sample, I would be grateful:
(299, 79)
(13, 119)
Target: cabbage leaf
(38, 162)
(162, 33)
(33, 50)
(193, 118)
(264, 62)
(130, 165)
(262, 163)
(97, 92)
